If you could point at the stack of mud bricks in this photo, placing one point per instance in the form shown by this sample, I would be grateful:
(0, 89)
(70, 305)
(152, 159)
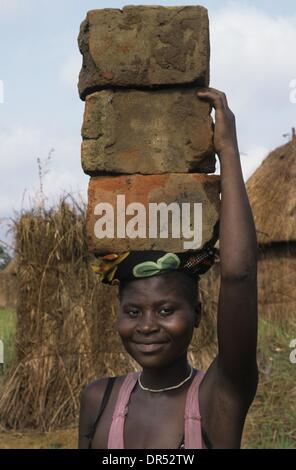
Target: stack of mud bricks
(145, 133)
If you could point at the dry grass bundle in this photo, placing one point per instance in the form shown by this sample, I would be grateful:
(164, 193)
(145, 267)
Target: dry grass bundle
(53, 352)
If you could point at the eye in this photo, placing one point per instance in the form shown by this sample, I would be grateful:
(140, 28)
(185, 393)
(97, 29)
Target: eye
(133, 312)
(166, 310)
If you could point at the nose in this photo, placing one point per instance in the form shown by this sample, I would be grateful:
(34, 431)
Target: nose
(147, 323)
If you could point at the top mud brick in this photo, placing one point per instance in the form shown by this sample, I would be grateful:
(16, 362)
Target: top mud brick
(144, 46)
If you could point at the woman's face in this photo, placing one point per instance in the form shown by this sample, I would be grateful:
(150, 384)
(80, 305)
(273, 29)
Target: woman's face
(156, 320)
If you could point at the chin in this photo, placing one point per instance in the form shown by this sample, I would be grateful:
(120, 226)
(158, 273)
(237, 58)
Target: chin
(153, 360)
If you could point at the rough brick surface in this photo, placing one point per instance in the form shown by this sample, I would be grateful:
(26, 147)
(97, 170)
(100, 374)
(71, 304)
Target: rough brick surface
(147, 132)
(144, 46)
(145, 189)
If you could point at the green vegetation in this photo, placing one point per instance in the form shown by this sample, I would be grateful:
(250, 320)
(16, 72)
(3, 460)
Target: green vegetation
(271, 423)
(7, 334)
(5, 257)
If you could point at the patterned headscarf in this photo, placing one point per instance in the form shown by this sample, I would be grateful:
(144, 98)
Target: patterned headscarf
(116, 267)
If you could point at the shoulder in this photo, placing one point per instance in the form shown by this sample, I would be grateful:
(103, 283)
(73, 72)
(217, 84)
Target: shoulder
(92, 394)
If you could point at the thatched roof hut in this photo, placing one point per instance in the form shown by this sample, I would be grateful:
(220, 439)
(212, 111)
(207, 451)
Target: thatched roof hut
(272, 194)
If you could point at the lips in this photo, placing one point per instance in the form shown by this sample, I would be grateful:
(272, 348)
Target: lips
(149, 347)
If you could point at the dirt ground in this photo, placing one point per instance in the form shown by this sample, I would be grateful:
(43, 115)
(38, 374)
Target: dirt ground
(64, 439)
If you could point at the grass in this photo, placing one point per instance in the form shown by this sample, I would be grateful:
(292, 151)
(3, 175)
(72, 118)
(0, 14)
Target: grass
(7, 334)
(271, 422)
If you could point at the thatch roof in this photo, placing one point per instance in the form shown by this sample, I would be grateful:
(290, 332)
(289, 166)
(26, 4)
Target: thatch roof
(272, 194)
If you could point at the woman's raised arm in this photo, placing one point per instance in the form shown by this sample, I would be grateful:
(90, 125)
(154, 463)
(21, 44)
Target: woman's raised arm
(237, 307)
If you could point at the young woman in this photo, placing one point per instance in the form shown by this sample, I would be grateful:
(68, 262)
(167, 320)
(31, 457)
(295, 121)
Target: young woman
(169, 404)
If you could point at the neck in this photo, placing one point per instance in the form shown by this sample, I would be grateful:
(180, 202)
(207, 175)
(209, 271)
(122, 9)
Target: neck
(166, 376)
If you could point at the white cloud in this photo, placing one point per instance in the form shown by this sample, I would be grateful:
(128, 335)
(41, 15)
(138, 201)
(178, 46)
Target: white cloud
(251, 159)
(19, 150)
(252, 47)
(70, 71)
(18, 147)
(252, 60)
(9, 8)
(8, 4)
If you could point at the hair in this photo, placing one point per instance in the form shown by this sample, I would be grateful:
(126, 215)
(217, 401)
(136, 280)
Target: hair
(189, 284)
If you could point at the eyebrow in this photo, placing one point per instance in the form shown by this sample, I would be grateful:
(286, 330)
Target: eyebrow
(155, 304)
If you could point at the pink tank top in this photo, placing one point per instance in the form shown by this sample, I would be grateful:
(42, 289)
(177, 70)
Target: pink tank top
(193, 434)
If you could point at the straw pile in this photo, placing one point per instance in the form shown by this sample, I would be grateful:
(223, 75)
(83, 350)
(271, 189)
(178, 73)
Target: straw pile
(53, 353)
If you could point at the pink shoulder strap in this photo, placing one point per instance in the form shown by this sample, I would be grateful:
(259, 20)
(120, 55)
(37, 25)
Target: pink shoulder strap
(193, 437)
(115, 438)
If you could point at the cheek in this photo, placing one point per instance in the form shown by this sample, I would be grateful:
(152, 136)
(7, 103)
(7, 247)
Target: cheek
(181, 320)
(180, 327)
(176, 326)
(124, 326)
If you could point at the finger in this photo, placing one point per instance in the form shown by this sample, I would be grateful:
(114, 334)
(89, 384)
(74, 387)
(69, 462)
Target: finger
(222, 94)
(212, 98)
(217, 98)
(211, 89)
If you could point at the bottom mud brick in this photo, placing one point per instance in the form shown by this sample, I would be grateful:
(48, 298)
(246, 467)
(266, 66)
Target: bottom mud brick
(171, 212)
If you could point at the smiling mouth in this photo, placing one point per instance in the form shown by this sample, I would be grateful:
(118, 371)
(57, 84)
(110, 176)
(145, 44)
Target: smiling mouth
(146, 348)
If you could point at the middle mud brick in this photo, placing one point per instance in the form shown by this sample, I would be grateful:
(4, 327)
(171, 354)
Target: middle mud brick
(147, 132)
(116, 193)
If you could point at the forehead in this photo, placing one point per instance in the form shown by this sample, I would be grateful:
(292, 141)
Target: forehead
(158, 286)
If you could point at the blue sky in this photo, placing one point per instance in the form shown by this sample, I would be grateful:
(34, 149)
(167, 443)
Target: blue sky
(252, 60)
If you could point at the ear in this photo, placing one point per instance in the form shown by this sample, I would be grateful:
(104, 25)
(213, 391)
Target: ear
(197, 317)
